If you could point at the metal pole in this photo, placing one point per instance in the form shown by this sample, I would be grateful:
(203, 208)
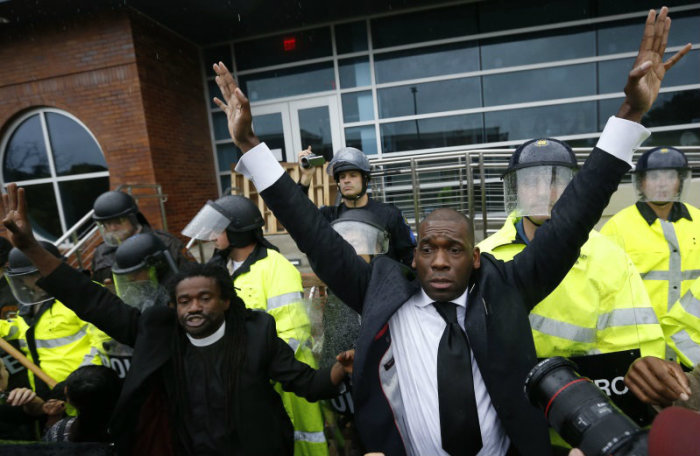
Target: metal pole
(416, 193)
(470, 186)
(482, 176)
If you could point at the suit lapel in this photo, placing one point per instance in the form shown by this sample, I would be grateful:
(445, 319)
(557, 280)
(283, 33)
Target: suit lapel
(475, 324)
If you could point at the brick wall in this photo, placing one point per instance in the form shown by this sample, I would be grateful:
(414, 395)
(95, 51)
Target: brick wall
(135, 85)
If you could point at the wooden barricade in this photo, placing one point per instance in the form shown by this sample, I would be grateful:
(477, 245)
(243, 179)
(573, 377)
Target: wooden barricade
(322, 192)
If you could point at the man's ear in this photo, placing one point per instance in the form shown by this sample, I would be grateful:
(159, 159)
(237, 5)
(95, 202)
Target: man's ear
(477, 258)
(413, 262)
(227, 304)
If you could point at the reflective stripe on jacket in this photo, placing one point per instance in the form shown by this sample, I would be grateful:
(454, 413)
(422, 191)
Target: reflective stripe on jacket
(600, 306)
(666, 254)
(682, 325)
(273, 284)
(64, 342)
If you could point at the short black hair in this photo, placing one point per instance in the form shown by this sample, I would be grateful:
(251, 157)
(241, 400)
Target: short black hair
(451, 215)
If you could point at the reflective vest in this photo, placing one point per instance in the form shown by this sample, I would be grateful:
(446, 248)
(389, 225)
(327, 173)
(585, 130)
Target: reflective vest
(599, 307)
(666, 254)
(273, 284)
(682, 325)
(64, 342)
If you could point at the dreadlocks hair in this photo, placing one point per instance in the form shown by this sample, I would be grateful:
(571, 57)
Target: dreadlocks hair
(234, 345)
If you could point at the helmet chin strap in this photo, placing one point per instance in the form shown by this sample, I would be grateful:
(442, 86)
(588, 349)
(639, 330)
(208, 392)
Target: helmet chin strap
(534, 222)
(359, 195)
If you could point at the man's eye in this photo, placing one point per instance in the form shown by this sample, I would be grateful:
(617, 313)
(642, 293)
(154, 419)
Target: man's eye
(426, 249)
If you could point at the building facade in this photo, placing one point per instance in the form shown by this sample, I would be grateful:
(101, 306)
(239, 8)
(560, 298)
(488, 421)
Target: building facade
(408, 79)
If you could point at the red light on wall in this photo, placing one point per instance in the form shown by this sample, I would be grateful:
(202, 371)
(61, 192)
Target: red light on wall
(289, 44)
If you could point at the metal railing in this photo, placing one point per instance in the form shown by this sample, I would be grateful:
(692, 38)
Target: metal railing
(80, 240)
(468, 181)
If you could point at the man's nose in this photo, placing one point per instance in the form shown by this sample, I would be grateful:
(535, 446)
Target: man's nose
(440, 260)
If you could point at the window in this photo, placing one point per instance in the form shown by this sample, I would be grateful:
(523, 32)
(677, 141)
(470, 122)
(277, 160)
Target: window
(60, 165)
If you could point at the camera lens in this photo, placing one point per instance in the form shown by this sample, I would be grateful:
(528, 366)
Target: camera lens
(311, 160)
(578, 410)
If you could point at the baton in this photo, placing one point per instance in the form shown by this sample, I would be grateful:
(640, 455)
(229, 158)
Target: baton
(23, 360)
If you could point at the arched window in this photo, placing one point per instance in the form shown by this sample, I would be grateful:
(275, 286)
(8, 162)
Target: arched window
(60, 165)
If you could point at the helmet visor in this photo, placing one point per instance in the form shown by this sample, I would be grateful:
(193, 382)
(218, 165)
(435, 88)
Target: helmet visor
(661, 185)
(115, 231)
(365, 239)
(207, 225)
(139, 289)
(25, 289)
(533, 191)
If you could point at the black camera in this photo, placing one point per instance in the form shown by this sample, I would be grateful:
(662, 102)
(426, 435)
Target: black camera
(581, 413)
(312, 160)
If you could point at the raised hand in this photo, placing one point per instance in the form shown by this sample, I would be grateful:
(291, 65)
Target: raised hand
(20, 396)
(15, 218)
(237, 109)
(644, 81)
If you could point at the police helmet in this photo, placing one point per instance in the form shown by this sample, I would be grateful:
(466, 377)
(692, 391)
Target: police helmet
(19, 264)
(242, 214)
(141, 251)
(363, 230)
(662, 158)
(111, 205)
(347, 159)
(542, 151)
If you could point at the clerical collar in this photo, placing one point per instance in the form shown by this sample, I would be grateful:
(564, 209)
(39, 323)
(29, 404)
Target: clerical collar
(210, 339)
(678, 211)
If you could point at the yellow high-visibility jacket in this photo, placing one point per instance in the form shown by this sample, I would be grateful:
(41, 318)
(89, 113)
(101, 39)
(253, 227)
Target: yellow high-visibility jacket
(64, 342)
(682, 325)
(600, 306)
(268, 281)
(665, 252)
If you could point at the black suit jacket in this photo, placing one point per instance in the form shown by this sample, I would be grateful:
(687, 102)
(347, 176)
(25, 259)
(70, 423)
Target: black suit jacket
(500, 298)
(261, 424)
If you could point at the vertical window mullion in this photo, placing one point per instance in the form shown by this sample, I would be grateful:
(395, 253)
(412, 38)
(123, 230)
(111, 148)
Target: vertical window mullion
(52, 170)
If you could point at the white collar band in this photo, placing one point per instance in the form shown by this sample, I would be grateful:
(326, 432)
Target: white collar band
(210, 339)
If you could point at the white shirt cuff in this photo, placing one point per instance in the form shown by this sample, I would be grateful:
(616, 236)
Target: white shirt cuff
(621, 137)
(260, 166)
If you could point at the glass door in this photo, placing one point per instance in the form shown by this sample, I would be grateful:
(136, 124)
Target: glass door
(290, 127)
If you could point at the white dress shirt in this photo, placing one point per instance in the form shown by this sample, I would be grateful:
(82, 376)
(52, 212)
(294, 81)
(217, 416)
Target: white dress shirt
(416, 329)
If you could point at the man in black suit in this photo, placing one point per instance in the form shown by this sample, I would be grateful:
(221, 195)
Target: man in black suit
(200, 376)
(400, 387)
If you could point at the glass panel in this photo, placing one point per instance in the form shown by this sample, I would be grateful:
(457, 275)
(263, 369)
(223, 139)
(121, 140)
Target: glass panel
(315, 130)
(537, 85)
(612, 73)
(78, 196)
(526, 50)
(429, 97)
(625, 37)
(354, 72)
(213, 55)
(426, 62)
(25, 157)
(213, 92)
(547, 121)
(357, 106)
(670, 108)
(225, 184)
(504, 15)
(227, 154)
(363, 138)
(43, 212)
(74, 149)
(677, 138)
(288, 82)
(284, 48)
(432, 133)
(268, 127)
(220, 124)
(423, 26)
(351, 37)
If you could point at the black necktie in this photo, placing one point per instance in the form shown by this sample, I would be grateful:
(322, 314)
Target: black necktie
(459, 420)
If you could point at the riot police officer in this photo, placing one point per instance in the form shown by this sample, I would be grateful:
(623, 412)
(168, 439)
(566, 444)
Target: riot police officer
(118, 218)
(659, 233)
(350, 169)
